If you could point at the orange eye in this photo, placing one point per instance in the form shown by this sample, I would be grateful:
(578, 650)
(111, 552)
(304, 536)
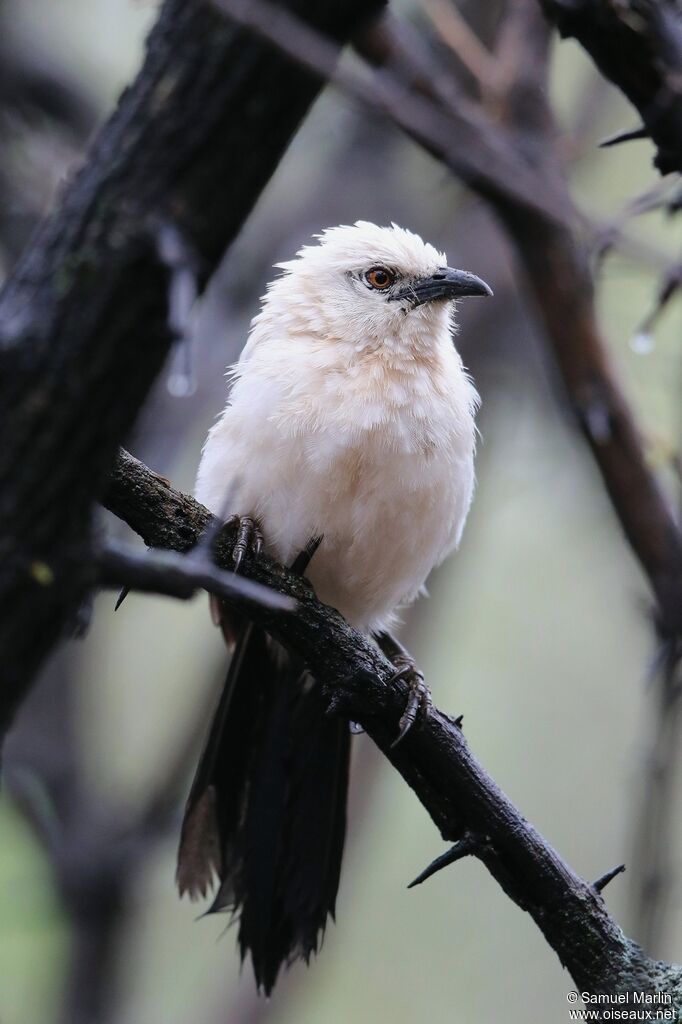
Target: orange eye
(380, 278)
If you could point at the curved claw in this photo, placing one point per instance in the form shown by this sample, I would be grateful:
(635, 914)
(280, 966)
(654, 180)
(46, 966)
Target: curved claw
(249, 538)
(419, 699)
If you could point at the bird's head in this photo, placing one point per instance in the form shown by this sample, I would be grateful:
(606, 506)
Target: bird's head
(372, 284)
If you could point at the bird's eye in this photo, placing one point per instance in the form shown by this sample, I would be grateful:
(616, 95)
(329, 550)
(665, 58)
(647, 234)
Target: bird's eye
(379, 278)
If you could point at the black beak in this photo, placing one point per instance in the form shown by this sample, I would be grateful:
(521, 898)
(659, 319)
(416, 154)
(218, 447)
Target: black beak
(445, 284)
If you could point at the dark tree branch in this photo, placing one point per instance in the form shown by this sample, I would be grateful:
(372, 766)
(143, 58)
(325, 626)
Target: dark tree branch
(84, 319)
(165, 572)
(434, 759)
(637, 44)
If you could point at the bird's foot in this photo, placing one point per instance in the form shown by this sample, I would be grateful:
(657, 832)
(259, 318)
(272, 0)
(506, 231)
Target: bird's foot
(419, 698)
(249, 539)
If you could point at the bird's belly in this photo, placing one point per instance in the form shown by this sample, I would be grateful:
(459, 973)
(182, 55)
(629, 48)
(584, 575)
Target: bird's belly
(385, 522)
(388, 504)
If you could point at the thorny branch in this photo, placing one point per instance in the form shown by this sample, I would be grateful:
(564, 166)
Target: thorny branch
(163, 572)
(464, 802)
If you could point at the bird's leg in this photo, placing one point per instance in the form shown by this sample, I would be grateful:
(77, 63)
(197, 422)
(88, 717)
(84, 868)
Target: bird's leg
(419, 698)
(249, 538)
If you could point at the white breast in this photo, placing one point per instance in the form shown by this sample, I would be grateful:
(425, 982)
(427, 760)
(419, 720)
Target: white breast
(374, 453)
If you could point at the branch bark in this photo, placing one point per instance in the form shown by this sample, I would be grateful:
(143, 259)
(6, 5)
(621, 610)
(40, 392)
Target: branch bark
(84, 321)
(434, 759)
(162, 572)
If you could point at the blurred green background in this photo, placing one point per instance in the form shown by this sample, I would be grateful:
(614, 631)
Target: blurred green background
(537, 630)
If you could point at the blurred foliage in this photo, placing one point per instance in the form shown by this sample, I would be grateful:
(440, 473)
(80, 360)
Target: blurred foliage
(537, 630)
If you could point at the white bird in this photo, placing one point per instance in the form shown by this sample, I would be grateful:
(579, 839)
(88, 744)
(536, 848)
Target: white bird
(350, 418)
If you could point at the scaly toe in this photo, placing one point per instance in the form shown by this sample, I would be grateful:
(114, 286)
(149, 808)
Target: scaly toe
(249, 538)
(419, 699)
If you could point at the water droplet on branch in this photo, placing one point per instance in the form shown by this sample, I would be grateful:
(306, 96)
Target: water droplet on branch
(643, 343)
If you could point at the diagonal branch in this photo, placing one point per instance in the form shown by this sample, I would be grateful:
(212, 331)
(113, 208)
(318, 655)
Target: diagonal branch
(434, 760)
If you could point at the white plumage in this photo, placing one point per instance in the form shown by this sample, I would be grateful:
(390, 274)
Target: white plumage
(352, 417)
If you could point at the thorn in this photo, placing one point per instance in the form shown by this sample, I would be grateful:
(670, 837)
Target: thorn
(466, 846)
(626, 136)
(602, 882)
(459, 720)
(121, 597)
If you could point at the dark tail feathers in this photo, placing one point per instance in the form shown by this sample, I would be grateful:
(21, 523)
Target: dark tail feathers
(267, 809)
